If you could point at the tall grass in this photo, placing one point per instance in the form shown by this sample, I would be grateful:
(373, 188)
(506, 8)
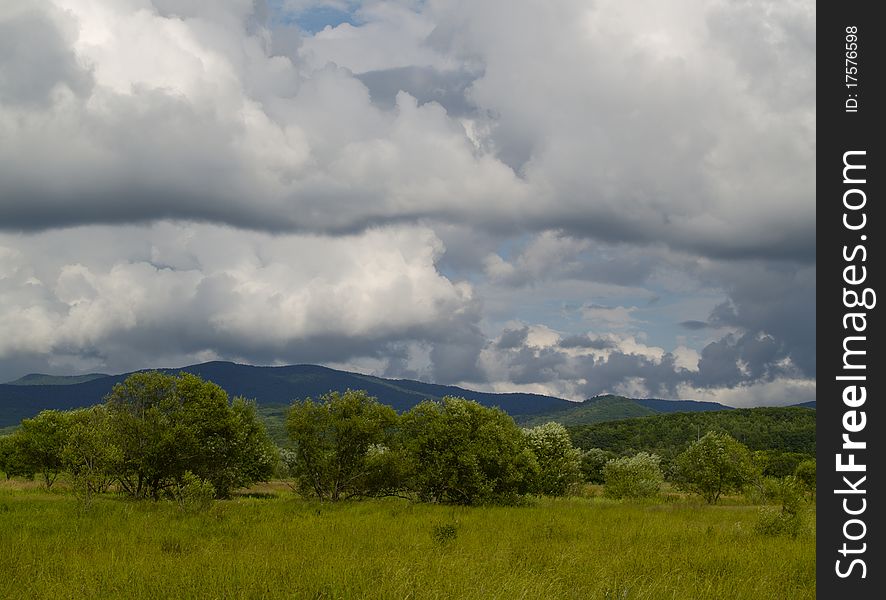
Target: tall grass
(278, 546)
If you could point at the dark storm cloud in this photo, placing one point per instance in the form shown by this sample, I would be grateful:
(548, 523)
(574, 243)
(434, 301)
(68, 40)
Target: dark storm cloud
(513, 338)
(774, 299)
(586, 341)
(693, 325)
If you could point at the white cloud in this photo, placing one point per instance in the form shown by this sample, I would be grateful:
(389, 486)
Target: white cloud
(628, 149)
(188, 110)
(200, 288)
(780, 392)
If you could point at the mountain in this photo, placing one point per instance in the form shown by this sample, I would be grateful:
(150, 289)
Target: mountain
(267, 385)
(810, 404)
(609, 407)
(44, 379)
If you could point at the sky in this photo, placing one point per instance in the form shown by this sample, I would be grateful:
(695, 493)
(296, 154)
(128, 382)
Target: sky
(566, 197)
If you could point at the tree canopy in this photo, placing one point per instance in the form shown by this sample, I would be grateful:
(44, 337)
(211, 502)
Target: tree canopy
(340, 444)
(714, 465)
(461, 452)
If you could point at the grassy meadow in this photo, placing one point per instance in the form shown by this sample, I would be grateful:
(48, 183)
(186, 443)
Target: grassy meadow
(271, 544)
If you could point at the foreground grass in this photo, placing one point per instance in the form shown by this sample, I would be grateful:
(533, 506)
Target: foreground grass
(277, 546)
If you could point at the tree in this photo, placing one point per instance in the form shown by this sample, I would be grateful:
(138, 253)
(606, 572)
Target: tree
(40, 441)
(805, 473)
(167, 425)
(90, 453)
(559, 463)
(458, 451)
(637, 476)
(714, 465)
(592, 463)
(12, 463)
(341, 445)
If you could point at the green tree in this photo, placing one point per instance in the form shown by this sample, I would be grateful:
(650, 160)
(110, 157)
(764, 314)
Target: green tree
(559, 462)
(714, 465)
(458, 451)
(90, 453)
(166, 425)
(40, 441)
(12, 463)
(592, 463)
(637, 476)
(342, 445)
(805, 473)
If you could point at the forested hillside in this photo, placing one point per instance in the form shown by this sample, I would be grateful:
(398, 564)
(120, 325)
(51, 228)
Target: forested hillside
(789, 429)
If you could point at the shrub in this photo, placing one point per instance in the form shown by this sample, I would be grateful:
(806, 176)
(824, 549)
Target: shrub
(788, 520)
(805, 473)
(559, 463)
(193, 494)
(165, 425)
(637, 476)
(592, 463)
(341, 445)
(458, 451)
(714, 465)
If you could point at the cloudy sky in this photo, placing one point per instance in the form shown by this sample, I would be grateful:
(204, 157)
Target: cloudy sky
(564, 197)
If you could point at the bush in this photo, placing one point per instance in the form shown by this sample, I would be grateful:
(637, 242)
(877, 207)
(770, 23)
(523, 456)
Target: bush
(638, 476)
(788, 520)
(193, 495)
(805, 473)
(714, 465)
(341, 446)
(165, 425)
(774, 522)
(90, 455)
(458, 451)
(559, 463)
(592, 463)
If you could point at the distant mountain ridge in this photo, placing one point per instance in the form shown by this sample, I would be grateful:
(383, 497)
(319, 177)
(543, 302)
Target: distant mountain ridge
(23, 398)
(279, 386)
(44, 379)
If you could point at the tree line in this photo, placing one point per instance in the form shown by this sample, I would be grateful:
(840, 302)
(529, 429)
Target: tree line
(159, 435)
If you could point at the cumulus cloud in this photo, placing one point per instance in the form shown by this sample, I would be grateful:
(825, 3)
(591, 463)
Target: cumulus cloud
(187, 110)
(199, 290)
(573, 197)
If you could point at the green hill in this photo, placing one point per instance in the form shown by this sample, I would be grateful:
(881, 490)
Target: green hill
(594, 410)
(609, 407)
(787, 429)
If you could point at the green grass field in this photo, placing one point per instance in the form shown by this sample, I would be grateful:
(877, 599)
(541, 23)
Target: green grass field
(274, 545)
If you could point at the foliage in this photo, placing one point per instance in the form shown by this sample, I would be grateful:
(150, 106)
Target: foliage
(592, 463)
(40, 441)
(12, 462)
(637, 476)
(805, 473)
(193, 494)
(783, 429)
(774, 463)
(166, 425)
(90, 454)
(342, 445)
(788, 520)
(559, 463)
(458, 451)
(714, 465)
(593, 410)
